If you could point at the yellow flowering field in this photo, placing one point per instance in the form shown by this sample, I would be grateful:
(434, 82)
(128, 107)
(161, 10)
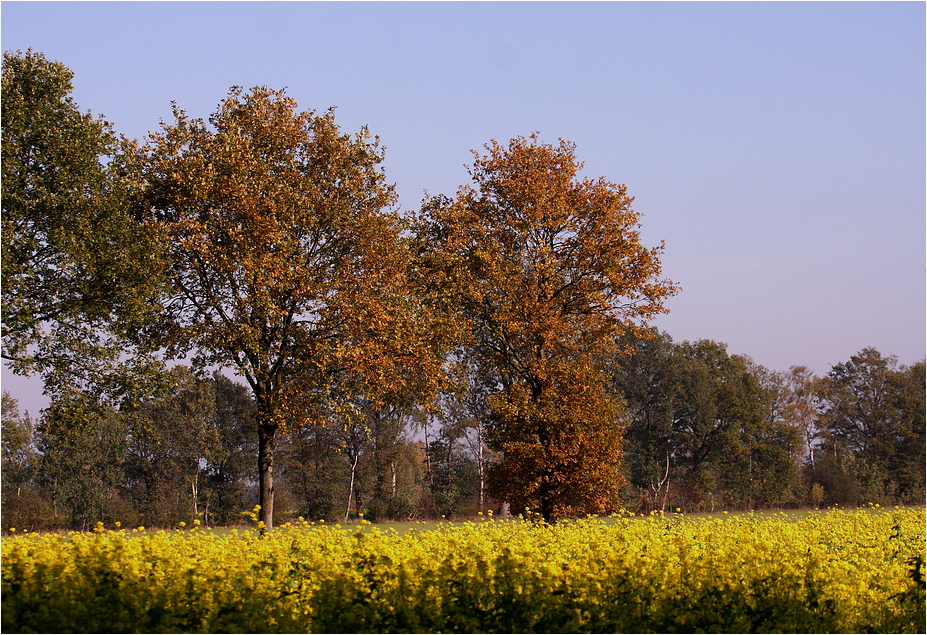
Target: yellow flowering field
(836, 571)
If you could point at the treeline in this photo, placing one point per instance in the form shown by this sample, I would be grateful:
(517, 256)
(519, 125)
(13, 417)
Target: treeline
(190, 453)
(704, 430)
(708, 430)
(490, 348)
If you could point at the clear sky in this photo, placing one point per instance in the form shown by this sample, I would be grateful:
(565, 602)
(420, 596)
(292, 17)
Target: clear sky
(777, 148)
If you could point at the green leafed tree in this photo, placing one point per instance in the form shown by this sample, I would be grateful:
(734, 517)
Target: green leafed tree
(285, 263)
(23, 503)
(873, 428)
(702, 429)
(83, 442)
(233, 460)
(170, 441)
(78, 271)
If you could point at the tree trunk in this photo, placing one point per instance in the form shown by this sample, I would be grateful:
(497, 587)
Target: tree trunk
(546, 498)
(481, 467)
(194, 490)
(266, 434)
(347, 511)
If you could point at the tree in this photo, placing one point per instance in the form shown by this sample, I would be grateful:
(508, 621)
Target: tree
(455, 477)
(283, 263)
(24, 506)
(465, 415)
(799, 407)
(547, 270)
(170, 443)
(233, 459)
(702, 429)
(77, 269)
(873, 421)
(648, 375)
(19, 454)
(314, 471)
(83, 442)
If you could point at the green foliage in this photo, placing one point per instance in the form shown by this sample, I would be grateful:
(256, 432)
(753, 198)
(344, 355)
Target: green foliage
(23, 502)
(19, 453)
(78, 271)
(454, 478)
(703, 431)
(873, 427)
(84, 451)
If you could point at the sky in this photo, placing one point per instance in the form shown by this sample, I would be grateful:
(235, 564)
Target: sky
(776, 149)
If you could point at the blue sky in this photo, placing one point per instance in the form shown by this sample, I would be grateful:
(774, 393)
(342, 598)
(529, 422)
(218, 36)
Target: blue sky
(777, 148)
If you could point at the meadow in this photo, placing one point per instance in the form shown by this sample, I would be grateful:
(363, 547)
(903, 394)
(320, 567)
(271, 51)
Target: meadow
(833, 571)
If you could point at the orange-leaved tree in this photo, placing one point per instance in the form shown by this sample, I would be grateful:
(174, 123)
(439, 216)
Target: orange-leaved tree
(285, 260)
(547, 269)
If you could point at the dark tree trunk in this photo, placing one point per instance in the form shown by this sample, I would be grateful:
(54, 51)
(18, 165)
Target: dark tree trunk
(266, 433)
(546, 499)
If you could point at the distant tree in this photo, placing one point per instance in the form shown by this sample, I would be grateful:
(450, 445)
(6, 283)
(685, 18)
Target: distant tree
(648, 373)
(455, 481)
(314, 471)
(19, 453)
(23, 504)
(799, 407)
(546, 269)
(702, 429)
(283, 263)
(77, 269)
(465, 414)
(909, 462)
(83, 442)
(873, 422)
(233, 458)
(170, 443)
(388, 427)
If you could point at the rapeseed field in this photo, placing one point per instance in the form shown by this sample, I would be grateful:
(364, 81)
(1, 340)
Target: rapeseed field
(835, 571)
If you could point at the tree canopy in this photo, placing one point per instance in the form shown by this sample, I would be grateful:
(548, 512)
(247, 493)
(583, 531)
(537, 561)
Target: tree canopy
(285, 262)
(547, 269)
(77, 269)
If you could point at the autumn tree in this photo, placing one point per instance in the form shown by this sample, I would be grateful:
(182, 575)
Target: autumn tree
(78, 270)
(547, 269)
(284, 261)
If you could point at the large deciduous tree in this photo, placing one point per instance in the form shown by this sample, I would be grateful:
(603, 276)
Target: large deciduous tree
(548, 269)
(77, 269)
(286, 264)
